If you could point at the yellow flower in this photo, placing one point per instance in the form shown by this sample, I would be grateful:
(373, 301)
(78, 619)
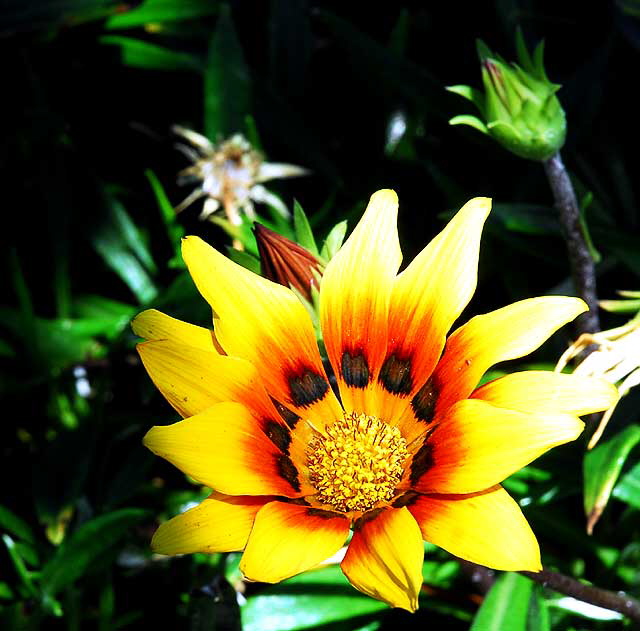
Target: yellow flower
(411, 450)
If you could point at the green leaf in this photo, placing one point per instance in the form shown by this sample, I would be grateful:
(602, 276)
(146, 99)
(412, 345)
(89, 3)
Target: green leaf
(506, 606)
(244, 258)
(123, 249)
(304, 235)
(628, 488)
(151, 11)
(334, 240)
(18, 564)
(10, 522)
(227, 84)
(471, 121)
(140, 54)
(318, 597)
(527, 218)
(621, 306)
(77, 553)
(601, 468)
(175, 231)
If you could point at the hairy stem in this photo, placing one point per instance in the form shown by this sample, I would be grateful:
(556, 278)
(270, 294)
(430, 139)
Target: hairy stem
(582, 265)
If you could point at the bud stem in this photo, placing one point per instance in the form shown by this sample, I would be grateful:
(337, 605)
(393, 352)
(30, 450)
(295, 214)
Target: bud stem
(582, 265)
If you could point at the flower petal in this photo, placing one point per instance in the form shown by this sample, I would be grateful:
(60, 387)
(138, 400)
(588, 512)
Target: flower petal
(221, 523)
(354, 300)
(476, 445)
(266, 324)
(384, 559)
(428, 296)
(155, 325)
(193, 379)
(486, 528)
(221, 448)
(485, 340)
(288, 539)
(544, 392)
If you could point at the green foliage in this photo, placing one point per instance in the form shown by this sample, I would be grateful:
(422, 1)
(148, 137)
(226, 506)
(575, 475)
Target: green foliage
(94, 88)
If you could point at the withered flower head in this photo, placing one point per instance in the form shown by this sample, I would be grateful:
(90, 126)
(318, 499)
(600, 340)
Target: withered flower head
(286, 262)
(229, 176)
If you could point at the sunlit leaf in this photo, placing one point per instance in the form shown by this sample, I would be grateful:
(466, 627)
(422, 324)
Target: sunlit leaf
(334, 240)
(153, 11)
(506, 606)
(628, 487)
(319, 597)
(304, 234)
(140, 54)
(602, 466)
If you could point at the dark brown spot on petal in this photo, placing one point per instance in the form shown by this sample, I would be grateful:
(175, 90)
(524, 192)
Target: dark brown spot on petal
(318, 512)
(278, 434)
(289, 417)
(355, 369)
(368, 516)
(288, 471)
(424, 401)
(307, 387)
(395, 375)
(406, 499)
(422, 462)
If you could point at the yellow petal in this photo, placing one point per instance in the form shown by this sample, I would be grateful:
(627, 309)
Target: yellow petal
(354, 300)
(266, 324)
(193, 379)
(223, 449)
(221, 523)
(427, 298)
(501, 335)
(384, 559)
(487, 528)
(476, 445)
(544, 392)
(288, 539)
(155, 325)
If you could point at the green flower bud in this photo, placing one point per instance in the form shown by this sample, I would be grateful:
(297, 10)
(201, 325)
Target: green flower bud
(519, 107)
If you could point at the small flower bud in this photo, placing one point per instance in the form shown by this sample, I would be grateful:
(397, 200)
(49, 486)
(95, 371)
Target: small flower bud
(519, 107)
(286, 262)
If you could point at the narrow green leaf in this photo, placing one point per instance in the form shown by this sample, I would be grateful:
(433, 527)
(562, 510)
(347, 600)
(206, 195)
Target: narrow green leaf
(303, 232)
(506, 606)
(400, 34)
(601, 468)
(175, 231)
(620, 306)
(140, 54)
(121, 245)
(10, 522)
(19, 565)
(628, 488)
(226, 81)
(334, 240)
(151, 11)
(77, 553)
(471, 121)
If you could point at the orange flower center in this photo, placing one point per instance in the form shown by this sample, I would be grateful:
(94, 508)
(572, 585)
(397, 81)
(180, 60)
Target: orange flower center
(357, 463)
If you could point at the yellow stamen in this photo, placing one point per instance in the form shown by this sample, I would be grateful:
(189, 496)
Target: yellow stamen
(357, 463)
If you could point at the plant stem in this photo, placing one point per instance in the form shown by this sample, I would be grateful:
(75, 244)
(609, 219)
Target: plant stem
(484, 578)
(582, 265)
(614, 601)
